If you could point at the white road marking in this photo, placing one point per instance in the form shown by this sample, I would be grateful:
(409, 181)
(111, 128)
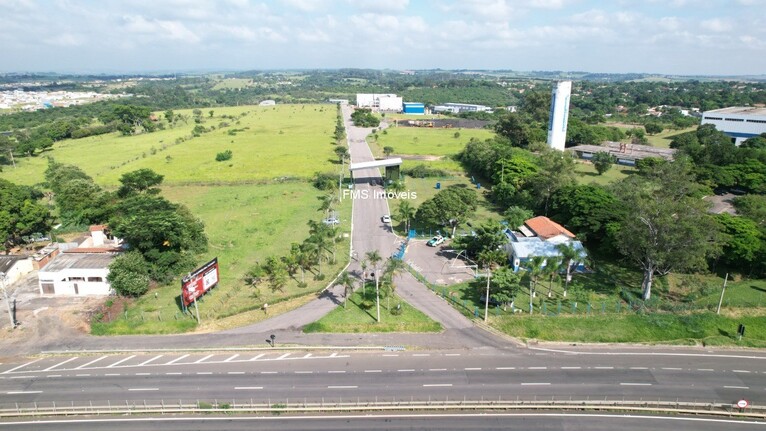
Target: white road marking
(336, 372)
(737, 387)
(204, 373)
(373, 371)
(247, 388)
(639, 368)
(112, 374)
(635, 384)
(53, 375)
(203, 359)
(334, 354)
(740, 371)
(472, 369)
(391, 356)
(236, 372)
(143, 389)
(23, 392)
(121, 361)
(308, 355)
(61, 363)
(535, 384)
(256, 358)
(304, 372)
(150, 360)
(421, 354)
(603, 368)
(21, 366)
(82, 375)
(438, 385)
(571, 368)
(342, 387)
(91, 362)
(408, 370)
(706, 355)
(22, 377)
(511, 368)
(173, 374)
(437, 369)
(537, 368)
(283, 356)
(143, 374)
(705, 369)
(672, 369)
(177, 359)
(452, 354)
(268, 372)
(231, 358)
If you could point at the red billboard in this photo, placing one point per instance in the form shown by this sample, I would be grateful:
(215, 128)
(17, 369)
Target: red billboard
(199, 282)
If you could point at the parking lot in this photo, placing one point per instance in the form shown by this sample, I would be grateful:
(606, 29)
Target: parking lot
(438, 264)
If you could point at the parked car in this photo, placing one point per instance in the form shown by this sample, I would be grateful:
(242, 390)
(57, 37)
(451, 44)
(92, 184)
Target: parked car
(433, 242)
(332, 221)
(386, 218)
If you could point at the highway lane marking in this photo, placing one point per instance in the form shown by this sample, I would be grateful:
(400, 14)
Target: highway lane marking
(283, 356)
(472, 369)
(91, 362)
(408, 370)
(231, 357)
(452, 354)
(390, 356)
(437, 369)
(22, 377)
(268, 372)
(150, 360)
(510, 368)
(603, 368)
(23, 392)
(112, 374)
(704, 355)
(342, 387)
(373, 371)
(61, 363)
(204, 373)
(421, 354)
(143, 374)
(173, 374)
(737, 387)
(248, 388)
(571, 368)
(53, 375)
(177, 359)
(82, 375)
(537, 368)
(639, 368)
(438, 385)
(740, 371)
(236, 372)
(334, 354)
(635, 384)
(143, 389)
(121, 361)
(203, 359)
(705, 369)
(672, 369)
(304, 372)
(255, 358)
(535, 384)
(308, 355)
(336, 372)
(22, 366)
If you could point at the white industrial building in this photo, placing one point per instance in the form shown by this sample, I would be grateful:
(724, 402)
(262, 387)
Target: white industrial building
(381, 102)
(739, 123)
(457, 108)
(557, 122)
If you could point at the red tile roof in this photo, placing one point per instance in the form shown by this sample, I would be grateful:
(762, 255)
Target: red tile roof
(546, 228)
(98, 227)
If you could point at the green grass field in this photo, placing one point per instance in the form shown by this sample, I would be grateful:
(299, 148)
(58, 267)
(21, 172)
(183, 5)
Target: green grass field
(426, 141)
(360, 316)
(660, 140)
(587, 174)
(271, 142)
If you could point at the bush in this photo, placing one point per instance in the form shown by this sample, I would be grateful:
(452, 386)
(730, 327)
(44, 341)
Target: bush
(422, 171)
(325, 180)
(226, 155)
(129, 274)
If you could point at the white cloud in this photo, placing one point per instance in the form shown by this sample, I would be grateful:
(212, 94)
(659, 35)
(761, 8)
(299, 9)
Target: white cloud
(380, 6)
(717, 25)
(65, 40)
(173, 30)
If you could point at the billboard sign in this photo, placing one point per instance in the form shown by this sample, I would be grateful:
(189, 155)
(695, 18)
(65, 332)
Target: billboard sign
(199, 282)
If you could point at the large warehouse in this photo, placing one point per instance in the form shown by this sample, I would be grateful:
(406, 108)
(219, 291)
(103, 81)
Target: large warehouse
(382, 102)
(740, 123)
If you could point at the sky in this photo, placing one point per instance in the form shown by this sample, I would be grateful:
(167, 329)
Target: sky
(683, 37)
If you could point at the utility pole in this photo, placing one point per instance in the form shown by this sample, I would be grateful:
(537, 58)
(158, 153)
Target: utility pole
(720, 301)
(8, 303)
(377, 295)
(486, 300)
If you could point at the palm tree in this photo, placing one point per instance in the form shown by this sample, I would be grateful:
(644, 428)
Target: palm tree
(535, 267)
(394, 267)
(570, 256)
(328, 201)
(406, 212)
(348, 285)
(374, 258)
(363, 265)
(552, 271)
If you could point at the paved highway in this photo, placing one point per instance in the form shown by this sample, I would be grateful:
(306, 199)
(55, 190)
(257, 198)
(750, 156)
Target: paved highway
(463, 421)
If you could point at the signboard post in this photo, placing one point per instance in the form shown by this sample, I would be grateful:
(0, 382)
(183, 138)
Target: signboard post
(198, 283)
(742, 404)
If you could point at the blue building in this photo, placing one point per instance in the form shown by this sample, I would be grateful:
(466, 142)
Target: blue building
(413, 108)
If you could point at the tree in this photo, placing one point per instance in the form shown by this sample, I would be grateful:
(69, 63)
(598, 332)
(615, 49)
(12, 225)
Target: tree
(516, 216)
(585, 209)
(20, 214)
(394, 267)
(664, 226)
(210, 113)
(128, 274)
(79, 199)
(342, 153)
(131, 118)
(405, 213)
(345, 280)
(653, 128)
(450, 207)
(276, 273)
(169, 116)
(603, 161)
(488, 237)
(551, 270)
(743, 240)
(140, 181)
(557, 171)
(535, 267)
(506, 284)
(387, 150)
(374, 258)
(514, 127)
(571, 256)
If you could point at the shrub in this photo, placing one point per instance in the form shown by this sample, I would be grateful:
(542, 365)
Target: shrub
(226, 155)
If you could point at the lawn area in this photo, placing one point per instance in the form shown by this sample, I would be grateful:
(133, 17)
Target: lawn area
(241, 231)
(587, 174)
(359, 316)
(425, 141)
(660, 140)
(446, 164)
(267, 143)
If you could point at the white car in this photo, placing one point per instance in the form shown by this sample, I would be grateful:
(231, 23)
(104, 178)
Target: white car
(386, 218)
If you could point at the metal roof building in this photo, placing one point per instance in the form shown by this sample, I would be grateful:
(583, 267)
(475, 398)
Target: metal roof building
(738, 122)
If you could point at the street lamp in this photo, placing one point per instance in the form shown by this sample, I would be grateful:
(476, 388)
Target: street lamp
(8, 303)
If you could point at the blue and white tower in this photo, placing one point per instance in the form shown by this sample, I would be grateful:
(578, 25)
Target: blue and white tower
(557, 122)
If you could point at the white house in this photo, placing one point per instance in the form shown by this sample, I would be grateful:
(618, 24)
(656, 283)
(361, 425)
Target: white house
(12, 268)
(540, 236)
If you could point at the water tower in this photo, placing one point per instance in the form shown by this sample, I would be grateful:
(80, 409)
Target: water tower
(557, 122)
